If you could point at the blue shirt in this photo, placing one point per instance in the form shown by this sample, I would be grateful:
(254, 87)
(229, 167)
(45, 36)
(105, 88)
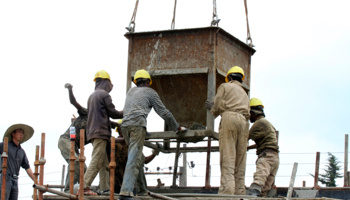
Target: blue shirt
(16, 158)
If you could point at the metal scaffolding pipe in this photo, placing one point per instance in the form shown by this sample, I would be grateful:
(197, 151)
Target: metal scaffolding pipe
(176, 163)
(47, 189)
(42, 162)
(62, 178)
(36, 172)
(4, 168)
(207, 171)
(112, 166)
(160, 196)
(317, 169)
(346, 178)
(81, 164)
(71, 170)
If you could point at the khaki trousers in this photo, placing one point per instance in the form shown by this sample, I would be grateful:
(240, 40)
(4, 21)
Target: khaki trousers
(98, 164)
(266, 170)
(233, 140)
(64, 144)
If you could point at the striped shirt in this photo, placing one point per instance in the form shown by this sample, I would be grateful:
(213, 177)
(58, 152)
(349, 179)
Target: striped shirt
(138, 104)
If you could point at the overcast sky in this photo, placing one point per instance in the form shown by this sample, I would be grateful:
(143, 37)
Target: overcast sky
(300, 72)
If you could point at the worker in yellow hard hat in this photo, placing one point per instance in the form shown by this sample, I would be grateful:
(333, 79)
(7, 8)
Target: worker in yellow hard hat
(138, 104)
(264, 135)
(98, 129)
(232, 103)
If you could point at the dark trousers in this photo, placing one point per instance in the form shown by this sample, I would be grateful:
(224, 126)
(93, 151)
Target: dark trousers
(11, 188)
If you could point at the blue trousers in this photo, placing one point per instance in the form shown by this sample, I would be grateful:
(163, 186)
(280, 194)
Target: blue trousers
(135, 138)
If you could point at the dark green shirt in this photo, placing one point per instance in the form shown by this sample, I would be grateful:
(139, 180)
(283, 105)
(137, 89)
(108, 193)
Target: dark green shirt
(264, 135)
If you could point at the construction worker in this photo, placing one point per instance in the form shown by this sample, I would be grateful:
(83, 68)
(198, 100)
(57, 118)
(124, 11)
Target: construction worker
(121, 158)
(64, 143)
(138, 103)
(232, 103)
(264, 136)
(16, 134)
(98, 130)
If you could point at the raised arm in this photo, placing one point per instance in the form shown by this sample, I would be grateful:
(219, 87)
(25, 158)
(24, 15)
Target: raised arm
(72, 99)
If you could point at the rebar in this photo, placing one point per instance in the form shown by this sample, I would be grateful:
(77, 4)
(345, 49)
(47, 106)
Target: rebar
(4, 168)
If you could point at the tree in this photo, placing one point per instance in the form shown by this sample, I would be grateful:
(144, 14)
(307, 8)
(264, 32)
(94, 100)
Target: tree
(331, 172)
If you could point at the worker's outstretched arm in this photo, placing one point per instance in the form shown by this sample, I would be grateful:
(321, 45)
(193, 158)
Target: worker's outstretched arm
(149, 158)
(110, 108)
(251, 147)
(72, 99)
(30, 173)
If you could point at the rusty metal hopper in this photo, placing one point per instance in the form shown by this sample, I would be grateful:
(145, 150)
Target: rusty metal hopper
(187, 66)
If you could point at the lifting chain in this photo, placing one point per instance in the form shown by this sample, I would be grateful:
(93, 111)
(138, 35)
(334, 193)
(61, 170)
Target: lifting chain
(131, 27)
(173, 22)
(249, 39)
(216, 20)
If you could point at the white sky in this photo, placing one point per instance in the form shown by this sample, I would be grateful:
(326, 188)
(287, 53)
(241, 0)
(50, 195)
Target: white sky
(300, 71)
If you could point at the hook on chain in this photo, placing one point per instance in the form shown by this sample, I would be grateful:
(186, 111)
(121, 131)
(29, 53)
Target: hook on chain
(131, 27)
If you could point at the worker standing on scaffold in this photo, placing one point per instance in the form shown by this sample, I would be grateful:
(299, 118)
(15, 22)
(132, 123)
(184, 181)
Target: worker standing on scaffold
(232, 103)
(138, 104)
(98, 130)
(17, 134)
(264, 135)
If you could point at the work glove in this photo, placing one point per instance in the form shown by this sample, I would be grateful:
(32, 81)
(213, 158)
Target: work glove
(209, 104)
(155, 152)
(68, 86)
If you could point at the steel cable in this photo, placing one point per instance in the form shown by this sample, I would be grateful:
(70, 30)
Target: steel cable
(173, 22)
(132, 24)
(249, 39)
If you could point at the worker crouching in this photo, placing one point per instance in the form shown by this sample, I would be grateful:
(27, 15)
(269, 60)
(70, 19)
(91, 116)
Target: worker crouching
(264, 136)
(232, 103)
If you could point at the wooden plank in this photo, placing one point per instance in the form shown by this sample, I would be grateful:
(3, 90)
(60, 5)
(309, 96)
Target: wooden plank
(292, 179)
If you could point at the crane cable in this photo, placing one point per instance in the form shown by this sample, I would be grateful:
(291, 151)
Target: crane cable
(249, 40)
(173, 22)
(132, 24)
(215, 20)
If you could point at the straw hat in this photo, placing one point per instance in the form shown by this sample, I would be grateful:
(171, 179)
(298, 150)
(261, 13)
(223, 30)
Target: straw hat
(27, 130)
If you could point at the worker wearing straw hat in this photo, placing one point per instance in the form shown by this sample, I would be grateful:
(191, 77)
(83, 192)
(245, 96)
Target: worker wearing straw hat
(17, 134)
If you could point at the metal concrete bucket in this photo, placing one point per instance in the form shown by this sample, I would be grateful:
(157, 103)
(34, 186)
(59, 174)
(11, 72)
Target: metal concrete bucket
(187, 66)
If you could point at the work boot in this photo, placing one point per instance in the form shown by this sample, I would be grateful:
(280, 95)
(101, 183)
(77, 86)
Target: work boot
(121, 197)
(254, 192)
(254, 189)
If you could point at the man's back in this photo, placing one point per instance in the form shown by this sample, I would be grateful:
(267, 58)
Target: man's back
(264, 135)
(231, 97)
(138, 104)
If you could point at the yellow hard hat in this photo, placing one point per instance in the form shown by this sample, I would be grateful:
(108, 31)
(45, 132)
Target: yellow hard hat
(255, 102)
(142, 74)
(235, 69)
(102, 74)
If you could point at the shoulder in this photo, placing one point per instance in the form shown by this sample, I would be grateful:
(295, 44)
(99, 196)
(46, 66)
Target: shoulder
(261, 124)
(100, 94)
